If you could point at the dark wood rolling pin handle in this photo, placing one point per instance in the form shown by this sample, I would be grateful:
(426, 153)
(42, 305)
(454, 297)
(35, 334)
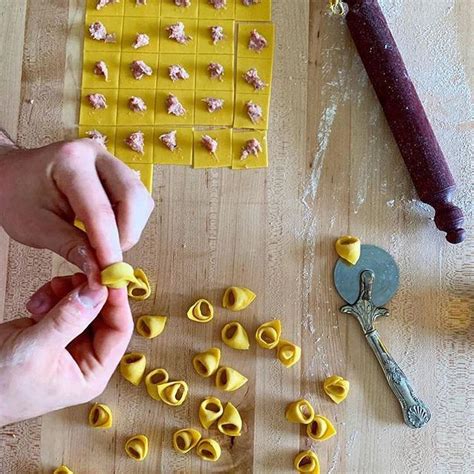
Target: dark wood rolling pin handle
(410, 126)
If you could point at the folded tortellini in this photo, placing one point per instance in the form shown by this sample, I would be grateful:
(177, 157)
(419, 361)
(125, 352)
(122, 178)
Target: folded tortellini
(208, 450)
(186, 439)
(63, 469)
(348, 248)
(201, 312)
(320, 429)
(136, 447)
(100, 416)
(153, 380)
(173, 393)
(307, 461)
(236, 298)
(206, 363)
(300, 411)
(150, 326)
(230, 423)
(268, 334)
(234, 335)
(288, 353)
(132, 367)
(229, 379)
(336, 388)
(210, 410)
(121, 275)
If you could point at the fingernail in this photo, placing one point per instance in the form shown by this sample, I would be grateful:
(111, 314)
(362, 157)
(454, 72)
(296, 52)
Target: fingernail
(91, 297)
(38, 303)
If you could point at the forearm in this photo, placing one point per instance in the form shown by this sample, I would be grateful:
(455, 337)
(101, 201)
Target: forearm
(6, 143)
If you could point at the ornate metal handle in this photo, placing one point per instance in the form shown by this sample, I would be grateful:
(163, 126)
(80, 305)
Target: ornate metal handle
(415, 413)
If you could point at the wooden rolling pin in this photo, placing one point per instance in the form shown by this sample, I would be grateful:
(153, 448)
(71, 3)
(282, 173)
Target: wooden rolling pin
(405, 114)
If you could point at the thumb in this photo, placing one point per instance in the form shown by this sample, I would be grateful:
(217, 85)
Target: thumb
(71, 316)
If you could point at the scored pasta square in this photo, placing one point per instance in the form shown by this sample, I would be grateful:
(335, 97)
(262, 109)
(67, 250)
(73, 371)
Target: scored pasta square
(105, 131)
(128, 155)
(209, 11)
(133, 26)
(216, 37)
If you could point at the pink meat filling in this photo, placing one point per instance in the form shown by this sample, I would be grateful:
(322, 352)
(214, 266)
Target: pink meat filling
(177, 72)
(98, 32)
(101, 69)
(182, 3)
(218, 4)
(209, 144)
(174, 106)
(249, 3)
(176, 32)
(169, 140)
(140, 69)
(251, 148)
(98, 137)
(213, 104)
(252, 78)
(216, 71)
(97, 101)
(140, 2)
(136, 141)
(217, 34)
(141, 40)
(254, 111)
(103, 3)
(136, 104)
(257, 42)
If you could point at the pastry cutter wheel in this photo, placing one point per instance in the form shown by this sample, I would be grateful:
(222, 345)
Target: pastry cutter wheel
(366, 287)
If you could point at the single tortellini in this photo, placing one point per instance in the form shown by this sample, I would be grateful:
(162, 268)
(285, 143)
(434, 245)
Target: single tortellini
(336, 388)
(300, 411)
(186, 439)
(201, 312)
(136, 447)
(121, 274)
(288, 353)
(210, 410)
(209, 450)
(268, 334)
(206, 363)
(237, 299)
(230, 423)
(153, 379)
(307, 461)
(229, 379)
(132, 367)
(63, 469)
(348, 248)
(173, 393)
(100, 416)
(234, 335)
(150, 326)
(320, 429)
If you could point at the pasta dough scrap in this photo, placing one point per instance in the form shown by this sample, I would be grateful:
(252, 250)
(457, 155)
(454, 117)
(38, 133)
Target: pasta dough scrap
(268, 334)
(202, 311)
(185, 439)
(288, 353)
(150, 326)
(320, 429)
(209, 450)
(206, 363)
(121, 274)
(300, 411)
(307, 461)
(173, 393)
(132, 367)
(153, 379)
(237, 298)
(136, 447)
(100, 416)
(63, 469)
(234, 335)
(229, 379)
(230, 423)
(348, 248)
(210, 410)
(336, 388)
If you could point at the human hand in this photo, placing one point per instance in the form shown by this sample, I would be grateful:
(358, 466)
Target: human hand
(66, 352)
(43, 190)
